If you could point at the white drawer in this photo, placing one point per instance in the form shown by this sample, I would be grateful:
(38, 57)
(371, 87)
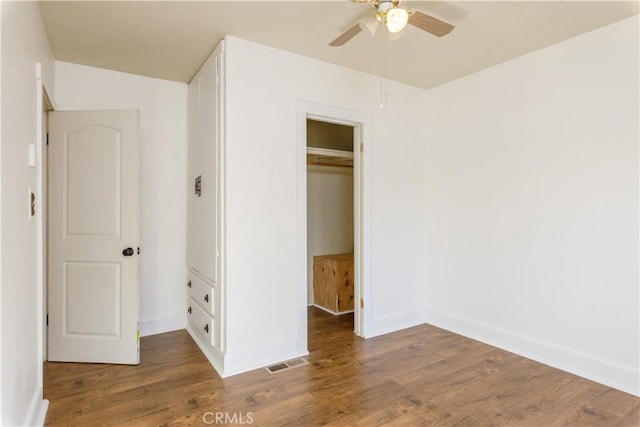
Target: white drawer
(201, 321)
(201, 292)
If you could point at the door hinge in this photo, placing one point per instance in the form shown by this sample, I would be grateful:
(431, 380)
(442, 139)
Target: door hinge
(362, 147)
(361, 303)
(47, 139)
(47, 320)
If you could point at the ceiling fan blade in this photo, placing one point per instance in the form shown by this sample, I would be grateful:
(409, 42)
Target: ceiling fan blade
(430, 24)
(347, 35)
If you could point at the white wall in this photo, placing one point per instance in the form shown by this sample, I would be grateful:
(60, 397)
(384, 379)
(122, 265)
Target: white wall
(532, 205)
(261, 194)
(329, 215)
(24, 43)
(163, 179)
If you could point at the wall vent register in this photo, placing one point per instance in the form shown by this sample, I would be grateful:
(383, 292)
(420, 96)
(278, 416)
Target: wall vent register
(289, 364)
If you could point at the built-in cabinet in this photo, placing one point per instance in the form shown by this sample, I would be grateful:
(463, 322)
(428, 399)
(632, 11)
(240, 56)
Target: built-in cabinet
(204, 282)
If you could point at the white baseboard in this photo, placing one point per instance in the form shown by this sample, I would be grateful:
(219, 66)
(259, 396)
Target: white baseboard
(37, 411)
(214, 356)
(240, 361)
(164, 323)
(42, 413)
(392, 323)
(335, 313)
(607, 372)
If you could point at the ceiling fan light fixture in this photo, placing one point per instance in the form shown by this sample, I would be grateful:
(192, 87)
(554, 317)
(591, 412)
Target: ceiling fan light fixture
(395, 36)
(370, 24)
(397, 19)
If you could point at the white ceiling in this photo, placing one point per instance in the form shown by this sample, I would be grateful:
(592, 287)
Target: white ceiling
(170, 40)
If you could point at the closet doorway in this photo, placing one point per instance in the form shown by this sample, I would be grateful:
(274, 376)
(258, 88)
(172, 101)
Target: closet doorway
(360, 125)
(330, 217)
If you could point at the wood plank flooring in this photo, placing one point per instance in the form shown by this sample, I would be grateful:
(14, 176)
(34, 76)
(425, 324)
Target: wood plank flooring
(419, 376)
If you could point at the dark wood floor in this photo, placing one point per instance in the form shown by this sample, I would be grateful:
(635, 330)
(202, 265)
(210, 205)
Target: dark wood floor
(419, 376)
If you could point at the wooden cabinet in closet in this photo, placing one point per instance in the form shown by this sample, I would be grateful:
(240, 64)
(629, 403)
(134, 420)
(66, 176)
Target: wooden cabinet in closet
(333, 282)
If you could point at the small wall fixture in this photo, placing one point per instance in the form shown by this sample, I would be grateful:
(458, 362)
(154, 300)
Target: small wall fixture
(198, 186)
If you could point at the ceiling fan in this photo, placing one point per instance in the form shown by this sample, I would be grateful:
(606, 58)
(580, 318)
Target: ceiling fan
(395, 18)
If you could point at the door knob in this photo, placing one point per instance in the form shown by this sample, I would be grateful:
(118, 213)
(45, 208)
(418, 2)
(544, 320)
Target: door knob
(127, 252)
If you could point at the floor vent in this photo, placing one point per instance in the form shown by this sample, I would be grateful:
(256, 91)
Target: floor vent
(289, 364)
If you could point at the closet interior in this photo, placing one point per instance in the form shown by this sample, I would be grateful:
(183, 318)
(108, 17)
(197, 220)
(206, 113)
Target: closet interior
(330, 216)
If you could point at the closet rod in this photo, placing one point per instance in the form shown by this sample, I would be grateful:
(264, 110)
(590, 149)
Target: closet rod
(327, 163)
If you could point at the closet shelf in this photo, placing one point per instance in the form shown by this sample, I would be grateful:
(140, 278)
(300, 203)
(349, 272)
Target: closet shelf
(327, 157)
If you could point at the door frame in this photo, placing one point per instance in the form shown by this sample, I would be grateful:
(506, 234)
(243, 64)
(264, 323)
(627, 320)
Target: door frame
(362, 124)
(44, 104)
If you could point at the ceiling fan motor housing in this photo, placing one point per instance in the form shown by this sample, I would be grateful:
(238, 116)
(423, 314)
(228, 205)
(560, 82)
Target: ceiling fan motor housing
(385, 5)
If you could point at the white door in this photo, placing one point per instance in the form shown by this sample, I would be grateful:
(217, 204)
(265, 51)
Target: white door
(93, 237)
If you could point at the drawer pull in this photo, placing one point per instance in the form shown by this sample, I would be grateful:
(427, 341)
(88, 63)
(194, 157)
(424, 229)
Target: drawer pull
(206, 298)
(189, 310)
(189, 284)
(206, 328)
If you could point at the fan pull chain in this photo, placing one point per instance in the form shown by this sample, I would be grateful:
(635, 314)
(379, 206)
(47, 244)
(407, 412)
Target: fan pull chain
(383, 75)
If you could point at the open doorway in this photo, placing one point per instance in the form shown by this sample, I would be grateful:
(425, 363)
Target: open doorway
(360, 125)
(330, 219)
